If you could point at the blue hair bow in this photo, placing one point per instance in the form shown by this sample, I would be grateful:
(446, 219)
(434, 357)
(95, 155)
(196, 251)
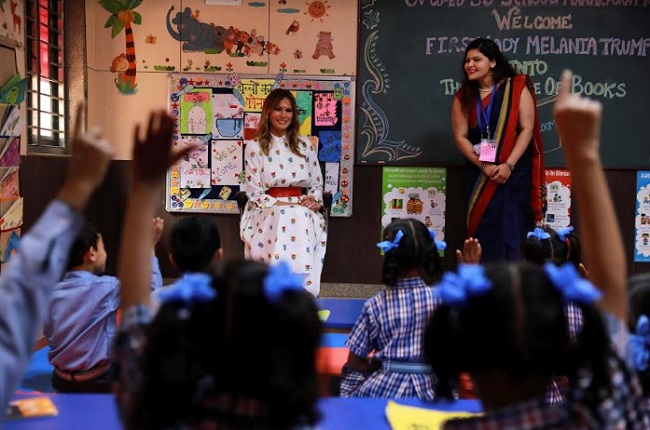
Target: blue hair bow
(564, 232)
(470, 281)
(568, 282)
(441, 245)
(191, 288)
(639, 343)
(387, 245)
(539, 233)
(280, 279)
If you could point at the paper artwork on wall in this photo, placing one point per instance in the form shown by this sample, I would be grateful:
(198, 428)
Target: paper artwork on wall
(228, 113)
(331, 146)
(13, 123)
(9, 184)
(325, 109)
(194, 168)
(227, 161)
(251, 123)
(196, 111)
(10, 154)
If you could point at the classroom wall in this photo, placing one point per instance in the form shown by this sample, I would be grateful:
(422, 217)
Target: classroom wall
(352, 256)
(295, 29)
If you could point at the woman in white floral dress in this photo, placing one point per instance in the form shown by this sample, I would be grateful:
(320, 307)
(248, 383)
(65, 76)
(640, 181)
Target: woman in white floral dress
(284, 185)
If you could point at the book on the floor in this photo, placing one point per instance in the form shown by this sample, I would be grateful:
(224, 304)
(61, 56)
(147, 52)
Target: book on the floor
(32, 408)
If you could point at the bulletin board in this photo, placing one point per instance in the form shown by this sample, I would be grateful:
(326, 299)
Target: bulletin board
(220, 112)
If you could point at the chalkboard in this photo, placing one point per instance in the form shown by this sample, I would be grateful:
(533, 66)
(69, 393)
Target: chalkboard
(411, 54)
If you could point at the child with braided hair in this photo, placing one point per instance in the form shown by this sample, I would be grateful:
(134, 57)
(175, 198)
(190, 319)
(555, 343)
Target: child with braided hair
(392, 323)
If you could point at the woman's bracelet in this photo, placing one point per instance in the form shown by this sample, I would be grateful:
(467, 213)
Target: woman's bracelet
(510, 166)
(483, 167)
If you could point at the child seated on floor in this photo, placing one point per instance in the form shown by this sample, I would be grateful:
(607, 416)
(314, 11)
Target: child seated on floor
(392, 323)
(231, 351)
(28, 279)
(506, 324)
(546, 245)
(82, 315)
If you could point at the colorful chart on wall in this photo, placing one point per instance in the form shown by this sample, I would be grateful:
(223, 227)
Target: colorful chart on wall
(219, 112)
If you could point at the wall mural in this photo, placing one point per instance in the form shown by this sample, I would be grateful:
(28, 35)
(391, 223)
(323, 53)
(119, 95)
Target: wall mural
(122, 16)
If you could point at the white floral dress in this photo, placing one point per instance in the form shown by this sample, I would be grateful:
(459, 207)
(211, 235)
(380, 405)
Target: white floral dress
(294, 234)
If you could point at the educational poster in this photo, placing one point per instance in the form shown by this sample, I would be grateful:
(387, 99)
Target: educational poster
(325, 106)
(221, 111)
(415, 192)
(196, 111)
(558, 194)
(642, 218)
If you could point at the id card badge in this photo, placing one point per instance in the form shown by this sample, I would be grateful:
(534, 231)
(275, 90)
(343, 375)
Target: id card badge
(488, 152)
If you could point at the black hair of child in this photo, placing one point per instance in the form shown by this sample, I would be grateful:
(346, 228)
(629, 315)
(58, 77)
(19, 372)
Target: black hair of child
(416, 250)
(193, 242)
(639, 302)
(239, 346)
(553, 250)
(519, 329)
(88, 237)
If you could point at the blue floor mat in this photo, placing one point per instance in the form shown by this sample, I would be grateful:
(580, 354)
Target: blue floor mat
(39, 373)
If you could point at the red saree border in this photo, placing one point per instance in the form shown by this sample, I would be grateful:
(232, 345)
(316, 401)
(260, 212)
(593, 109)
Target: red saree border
(506, 135)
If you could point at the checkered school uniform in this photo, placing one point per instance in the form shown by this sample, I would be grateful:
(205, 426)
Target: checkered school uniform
(392, 325)
(625, 409)
(560, 384)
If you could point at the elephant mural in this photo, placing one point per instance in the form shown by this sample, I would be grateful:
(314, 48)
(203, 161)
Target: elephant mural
(196, 35)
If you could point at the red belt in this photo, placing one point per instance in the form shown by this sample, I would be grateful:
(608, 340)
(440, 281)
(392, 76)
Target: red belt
(84, 376)
(284, 191)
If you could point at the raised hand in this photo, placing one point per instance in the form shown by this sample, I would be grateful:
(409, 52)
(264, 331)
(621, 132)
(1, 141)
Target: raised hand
(91, 156)
(153, 154)
(157, 225)
(577, 120)
(471, 253)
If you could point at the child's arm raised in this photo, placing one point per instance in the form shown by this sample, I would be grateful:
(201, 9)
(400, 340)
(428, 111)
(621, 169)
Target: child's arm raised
(26, 283)
(578, 124)
(152, 156)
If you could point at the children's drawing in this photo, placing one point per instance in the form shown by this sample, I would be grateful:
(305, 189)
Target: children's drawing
(13, 217)
(13, 91)
(331, 146)
(251, 123)
(194, 169)
(10, 248)
(228, 114)
(13, 124)
(9, 184)
(122, 16)
(10, 155)
(227, 161)
(196, 111)
(325, 109)
(304, 102)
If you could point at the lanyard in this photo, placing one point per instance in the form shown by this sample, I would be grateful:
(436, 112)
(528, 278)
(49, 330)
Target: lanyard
(483, 116)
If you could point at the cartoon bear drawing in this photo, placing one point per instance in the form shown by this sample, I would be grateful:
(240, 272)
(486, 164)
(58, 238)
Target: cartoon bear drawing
(324, 45)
